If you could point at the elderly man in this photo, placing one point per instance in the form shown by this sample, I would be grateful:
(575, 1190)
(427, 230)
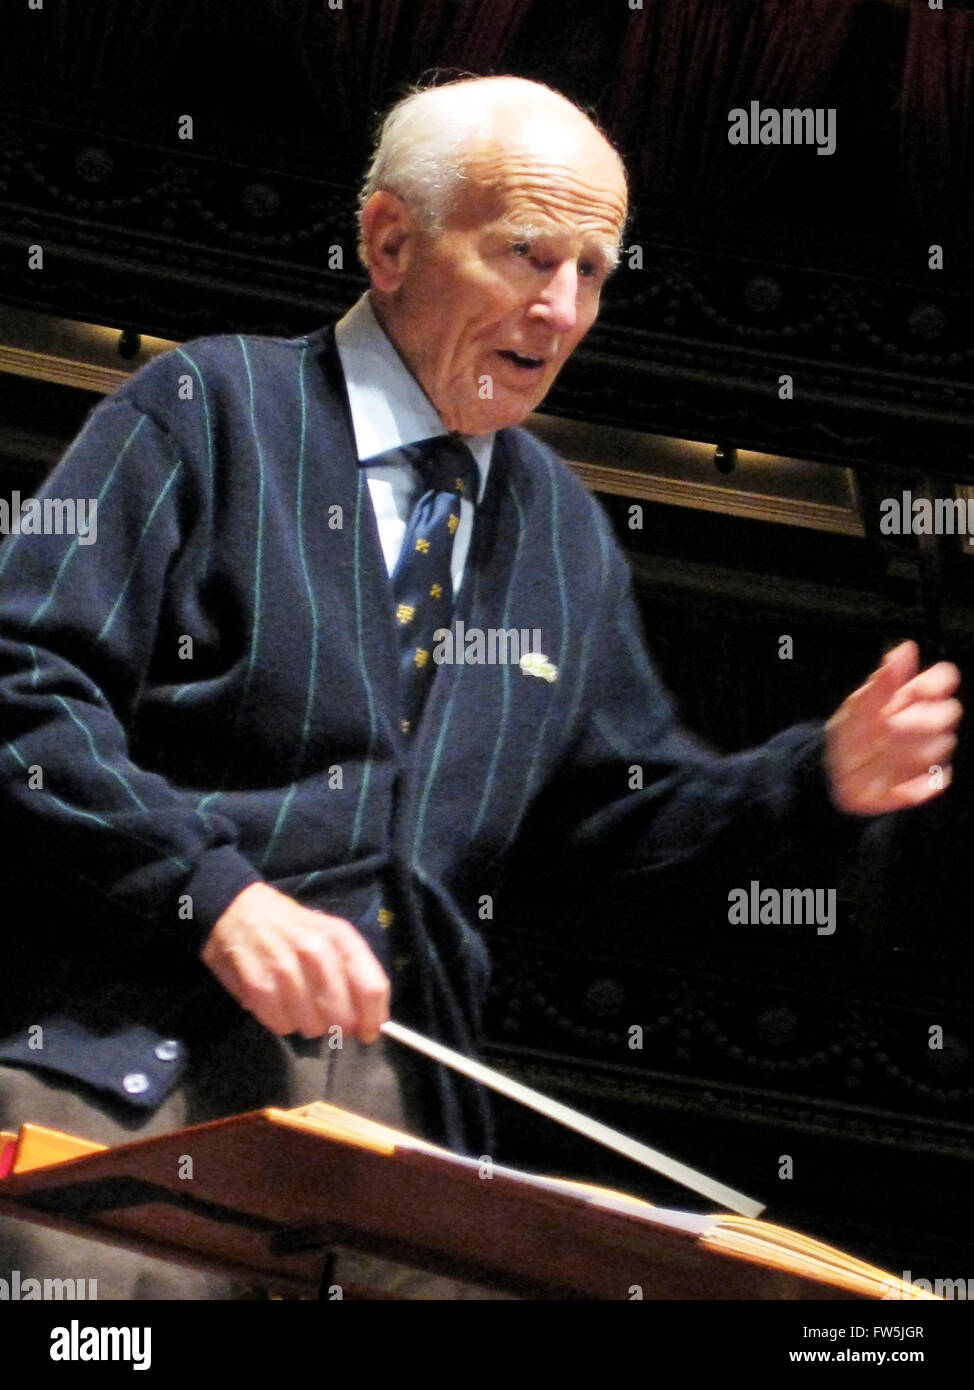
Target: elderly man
(244, 794)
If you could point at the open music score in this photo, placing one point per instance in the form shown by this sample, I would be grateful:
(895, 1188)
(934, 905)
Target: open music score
(272, 1190)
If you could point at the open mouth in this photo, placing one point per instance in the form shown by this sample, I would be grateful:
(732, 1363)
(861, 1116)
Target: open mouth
(521, 360)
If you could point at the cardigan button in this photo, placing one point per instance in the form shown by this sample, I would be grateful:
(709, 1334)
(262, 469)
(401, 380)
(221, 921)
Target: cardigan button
(167, 1051)
(136, 1082)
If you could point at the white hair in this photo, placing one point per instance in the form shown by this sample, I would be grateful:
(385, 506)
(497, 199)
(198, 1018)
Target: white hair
(426, 139)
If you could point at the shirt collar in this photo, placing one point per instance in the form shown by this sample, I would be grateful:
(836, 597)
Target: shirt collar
(389, 407)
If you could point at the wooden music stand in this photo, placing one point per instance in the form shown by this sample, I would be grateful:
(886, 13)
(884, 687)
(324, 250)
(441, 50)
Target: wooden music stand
(262, 1197)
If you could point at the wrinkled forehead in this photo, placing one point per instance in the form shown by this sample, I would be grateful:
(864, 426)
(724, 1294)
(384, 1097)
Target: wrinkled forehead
(571, 179)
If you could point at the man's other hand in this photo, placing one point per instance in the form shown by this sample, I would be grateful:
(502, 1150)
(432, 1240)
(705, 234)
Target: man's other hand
(888, 746)
(295, 970)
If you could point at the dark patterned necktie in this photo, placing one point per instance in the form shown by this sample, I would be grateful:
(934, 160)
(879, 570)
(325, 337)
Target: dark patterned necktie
(421, 581)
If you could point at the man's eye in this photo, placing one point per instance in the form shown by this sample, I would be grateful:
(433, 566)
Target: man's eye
(595, 269)
(521, 248)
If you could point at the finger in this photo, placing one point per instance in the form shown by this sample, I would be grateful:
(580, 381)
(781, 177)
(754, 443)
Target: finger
(264, 1000)
(368, 982)
(328, 998)
(303, 997)
(936, 683)
(900, 664)
(926, 718)
(873, 789)
(225, 963)
(897, 668)
(913, 738)
(268, 981)
(223, 966)
(916, 791)
(246, 976)
(919, 736)
(893, 768)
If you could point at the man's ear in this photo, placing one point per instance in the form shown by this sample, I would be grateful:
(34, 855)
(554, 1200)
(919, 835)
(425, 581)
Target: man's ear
(388, 234)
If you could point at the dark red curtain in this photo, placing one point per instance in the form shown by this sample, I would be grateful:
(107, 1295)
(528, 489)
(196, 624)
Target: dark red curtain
(937, 147)
(346, 64)
(372, 49)
(686, 63)
(467, 34)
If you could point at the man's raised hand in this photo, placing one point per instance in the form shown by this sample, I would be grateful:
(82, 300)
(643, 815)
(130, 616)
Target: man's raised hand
(885, 741)
(295, 970)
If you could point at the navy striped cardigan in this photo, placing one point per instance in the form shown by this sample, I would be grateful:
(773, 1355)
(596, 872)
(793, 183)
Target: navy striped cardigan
(209, 691)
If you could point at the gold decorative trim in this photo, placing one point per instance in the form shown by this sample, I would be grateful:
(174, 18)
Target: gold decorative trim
(709, 497)
(62, 371)
(653, 474)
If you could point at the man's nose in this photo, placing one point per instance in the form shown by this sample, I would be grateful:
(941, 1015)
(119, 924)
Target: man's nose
(557, 302)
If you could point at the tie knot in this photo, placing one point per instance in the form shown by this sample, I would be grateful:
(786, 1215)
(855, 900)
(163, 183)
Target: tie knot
(447, 465)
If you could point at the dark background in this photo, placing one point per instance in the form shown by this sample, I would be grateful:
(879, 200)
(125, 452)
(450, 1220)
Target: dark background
(757, 261)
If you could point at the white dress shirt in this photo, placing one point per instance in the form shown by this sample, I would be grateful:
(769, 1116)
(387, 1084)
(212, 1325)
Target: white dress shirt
(389, 409)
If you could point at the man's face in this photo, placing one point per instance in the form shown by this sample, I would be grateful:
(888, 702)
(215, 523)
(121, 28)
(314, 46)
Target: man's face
(486, 312)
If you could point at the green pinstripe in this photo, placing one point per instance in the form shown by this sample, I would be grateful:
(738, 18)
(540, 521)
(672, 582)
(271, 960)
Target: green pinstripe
(365, 783)
(97, 756)
(434, 766)
(529, 780)
(288, 798)
(147, 526)
(69, 553)
(506, 670)
(584, 656)
(210, 467)
(258, 564)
